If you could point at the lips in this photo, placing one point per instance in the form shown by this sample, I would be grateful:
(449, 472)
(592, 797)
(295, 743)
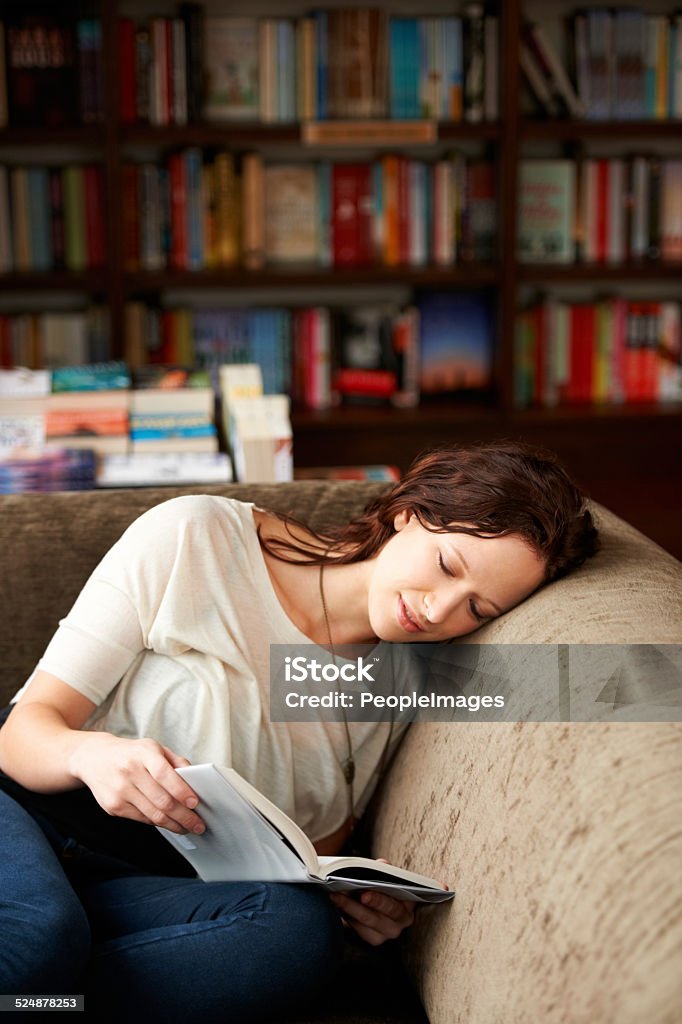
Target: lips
(405, 618)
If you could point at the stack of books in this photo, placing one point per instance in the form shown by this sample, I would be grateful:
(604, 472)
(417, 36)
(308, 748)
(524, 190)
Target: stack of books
(46, 469)
(257, 426)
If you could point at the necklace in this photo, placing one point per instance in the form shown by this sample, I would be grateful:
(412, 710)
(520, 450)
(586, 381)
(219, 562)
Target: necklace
(348, 764)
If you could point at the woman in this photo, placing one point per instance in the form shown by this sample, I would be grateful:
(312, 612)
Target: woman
(163, 661)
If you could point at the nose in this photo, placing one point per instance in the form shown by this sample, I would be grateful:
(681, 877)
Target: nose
(439, 604)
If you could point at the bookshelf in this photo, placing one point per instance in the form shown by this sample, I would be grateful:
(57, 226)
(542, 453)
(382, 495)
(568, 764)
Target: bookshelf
(617, 451)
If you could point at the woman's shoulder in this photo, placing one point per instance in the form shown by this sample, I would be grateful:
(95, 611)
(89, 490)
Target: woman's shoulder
(202, 506)
(187, 513)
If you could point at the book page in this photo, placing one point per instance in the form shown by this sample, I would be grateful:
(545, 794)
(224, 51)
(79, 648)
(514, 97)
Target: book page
(238, 844)
(348, 873)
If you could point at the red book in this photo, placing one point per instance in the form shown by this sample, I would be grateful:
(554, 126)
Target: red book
(345, 227)
(652, 335)
(582, 336)
(602, 209)
(368, 383)
(126, 71)
(178, 191)
(94, 216)
(365, 206)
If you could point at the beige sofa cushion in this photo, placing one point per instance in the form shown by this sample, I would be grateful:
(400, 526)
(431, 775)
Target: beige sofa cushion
(563, 841)
(564, 845)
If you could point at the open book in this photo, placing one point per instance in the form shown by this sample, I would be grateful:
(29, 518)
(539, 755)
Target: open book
(248, 838)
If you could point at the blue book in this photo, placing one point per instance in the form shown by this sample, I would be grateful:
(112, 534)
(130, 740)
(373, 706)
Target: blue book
(396, 64)
(194, 210)
(456, 341)
(411, 69)
(91, 377)
(285, 351)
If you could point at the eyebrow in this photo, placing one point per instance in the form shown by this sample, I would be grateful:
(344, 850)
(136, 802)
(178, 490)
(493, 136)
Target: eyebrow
(464, 562)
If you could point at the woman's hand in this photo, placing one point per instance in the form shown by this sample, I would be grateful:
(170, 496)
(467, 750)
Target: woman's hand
(374, 916)
(136, 779)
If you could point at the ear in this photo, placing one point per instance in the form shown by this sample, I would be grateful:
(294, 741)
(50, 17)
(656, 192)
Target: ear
(401, 520)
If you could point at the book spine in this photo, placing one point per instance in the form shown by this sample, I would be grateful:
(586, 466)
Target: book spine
(253, 225)
(74, 218)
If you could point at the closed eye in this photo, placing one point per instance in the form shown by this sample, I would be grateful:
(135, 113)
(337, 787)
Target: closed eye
(476, 614)
(443, 567)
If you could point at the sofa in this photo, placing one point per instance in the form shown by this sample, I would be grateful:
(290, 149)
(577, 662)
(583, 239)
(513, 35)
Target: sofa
(562, 839)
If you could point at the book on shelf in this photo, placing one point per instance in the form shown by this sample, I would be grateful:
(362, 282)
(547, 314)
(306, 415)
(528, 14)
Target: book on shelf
(172, 409)
(231, 68)
(53, 339)
(342, 63)
(546, 211)
(364, 356)
(610, 351)
(376, 473)
(550, 66)
(97, 420)
(43, 469)
(474, 62)
(248, 837)
(152, 469)
(628, 63)
(456, 342)
(200, 211)
(42, 70)
(104, 376)
(291, 213)
(261, 439)
(257, 427)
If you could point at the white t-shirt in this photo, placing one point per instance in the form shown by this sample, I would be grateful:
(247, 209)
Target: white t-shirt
(170, 639)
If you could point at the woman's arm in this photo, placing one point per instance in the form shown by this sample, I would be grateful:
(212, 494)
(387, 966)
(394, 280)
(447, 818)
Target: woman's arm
(43, 748)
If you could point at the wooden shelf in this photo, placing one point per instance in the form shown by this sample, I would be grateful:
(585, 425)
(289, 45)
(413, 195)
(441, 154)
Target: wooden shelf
(456, 412)
(459, 275)
(641, 271)
(76, 135)
(569, 129)
(55, 280)
(236, 133)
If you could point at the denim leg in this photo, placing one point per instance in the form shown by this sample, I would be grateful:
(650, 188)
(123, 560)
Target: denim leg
(44, 929)
(177, 949)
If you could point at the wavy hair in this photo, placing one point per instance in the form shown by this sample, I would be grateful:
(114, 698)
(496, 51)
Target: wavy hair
(489, 489)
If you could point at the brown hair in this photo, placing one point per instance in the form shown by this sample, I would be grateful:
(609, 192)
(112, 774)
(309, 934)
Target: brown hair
(488, 489)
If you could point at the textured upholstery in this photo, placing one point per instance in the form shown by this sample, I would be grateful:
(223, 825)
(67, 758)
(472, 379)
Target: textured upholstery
(562, 840)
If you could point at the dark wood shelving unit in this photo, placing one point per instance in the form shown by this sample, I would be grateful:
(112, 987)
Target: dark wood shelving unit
(56, 280)
(535, 129)
(464, 275)
(629, 457)
(652, 270)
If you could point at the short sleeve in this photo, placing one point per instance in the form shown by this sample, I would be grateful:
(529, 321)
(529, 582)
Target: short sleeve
(113, 619)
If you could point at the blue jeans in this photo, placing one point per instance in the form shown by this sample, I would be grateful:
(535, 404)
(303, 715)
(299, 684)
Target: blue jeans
(171, 949)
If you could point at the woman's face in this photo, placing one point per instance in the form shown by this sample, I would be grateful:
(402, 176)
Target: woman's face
(427, 586)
